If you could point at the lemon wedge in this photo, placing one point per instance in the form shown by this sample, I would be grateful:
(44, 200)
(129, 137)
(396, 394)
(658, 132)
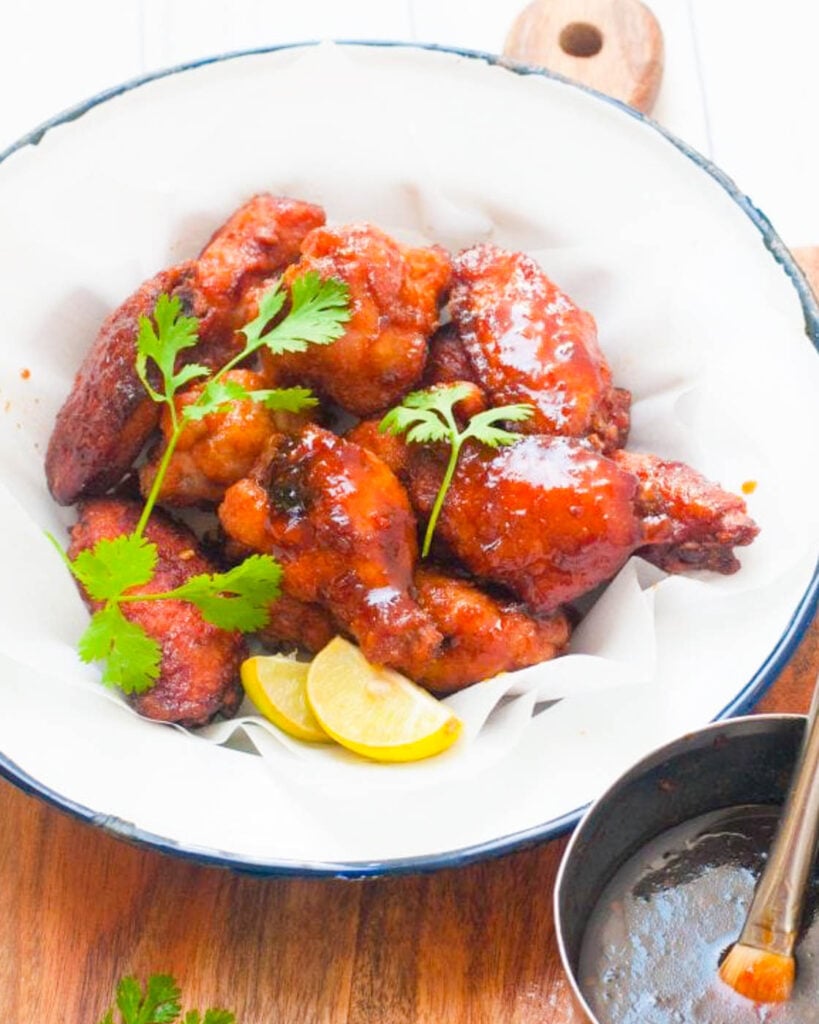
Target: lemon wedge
(375, 711)
(276, 685)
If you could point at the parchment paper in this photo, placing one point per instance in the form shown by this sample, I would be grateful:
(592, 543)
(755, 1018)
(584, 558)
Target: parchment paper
(694, 316)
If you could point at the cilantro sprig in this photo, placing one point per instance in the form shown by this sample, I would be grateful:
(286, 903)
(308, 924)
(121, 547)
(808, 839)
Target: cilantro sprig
(159, 1003)
(427, 417)
(113, 568)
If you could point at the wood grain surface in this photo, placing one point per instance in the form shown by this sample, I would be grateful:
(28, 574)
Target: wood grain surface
(615, 46)
(79, 909)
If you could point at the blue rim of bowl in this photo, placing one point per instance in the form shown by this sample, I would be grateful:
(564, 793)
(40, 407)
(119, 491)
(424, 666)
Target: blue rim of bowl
(744, 700)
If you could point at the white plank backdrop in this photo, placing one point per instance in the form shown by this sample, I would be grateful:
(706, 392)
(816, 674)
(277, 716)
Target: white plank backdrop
(739, 81)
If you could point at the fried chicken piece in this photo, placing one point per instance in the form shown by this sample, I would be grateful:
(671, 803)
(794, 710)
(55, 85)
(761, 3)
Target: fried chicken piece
(295, 623)
(216, 451)
(107, 417)
(483, 634)
(395, 294)
(199, 672)
(696, 523)
(254, 246)
(550, 518)
(340, 524)
(526, 341)
(447, 361)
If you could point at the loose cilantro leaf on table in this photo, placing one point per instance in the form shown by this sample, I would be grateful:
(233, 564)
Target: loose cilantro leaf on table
(427, 417)
(234, 600)
(159, 1004)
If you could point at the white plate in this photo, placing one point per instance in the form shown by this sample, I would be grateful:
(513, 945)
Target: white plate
(700, 310)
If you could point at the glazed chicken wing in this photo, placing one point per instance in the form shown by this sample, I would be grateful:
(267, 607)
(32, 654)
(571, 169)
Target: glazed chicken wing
(107, 417)
(199, 673)
(524, 340)
(550, 518)
(689, 522)
(340, 523)
(395, 294)
(484, 634)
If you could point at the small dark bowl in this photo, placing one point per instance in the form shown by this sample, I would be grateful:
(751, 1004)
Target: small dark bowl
(739, 761)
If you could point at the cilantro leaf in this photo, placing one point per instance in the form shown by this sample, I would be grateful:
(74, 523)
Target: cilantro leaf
(215, 1016)
(421, 425)
(237, 599)
(440, 399)
(159, 1005)
(270, 306)
(129, 998)
(172, 335)
(212, 1016)
(217, 393)
(114, 565)
(318, 311)
(285, 399)
(428, 417)
(131, 658)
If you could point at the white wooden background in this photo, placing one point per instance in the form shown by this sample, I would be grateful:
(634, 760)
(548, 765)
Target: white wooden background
(740, 79)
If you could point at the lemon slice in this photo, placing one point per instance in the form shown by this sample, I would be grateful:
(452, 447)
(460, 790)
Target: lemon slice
(276, 685)
(374, 711)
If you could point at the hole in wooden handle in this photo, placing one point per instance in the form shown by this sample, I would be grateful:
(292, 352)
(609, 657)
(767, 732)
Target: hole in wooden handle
(580, 39)
(614, 46)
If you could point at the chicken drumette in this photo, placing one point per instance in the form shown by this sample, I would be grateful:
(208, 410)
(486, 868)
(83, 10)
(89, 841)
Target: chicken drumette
(340, 523)
(521, 339)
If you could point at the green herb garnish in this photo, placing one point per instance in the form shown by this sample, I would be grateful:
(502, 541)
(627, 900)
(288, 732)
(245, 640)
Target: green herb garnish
(158, 1004)
(427, 418)
(237, 599)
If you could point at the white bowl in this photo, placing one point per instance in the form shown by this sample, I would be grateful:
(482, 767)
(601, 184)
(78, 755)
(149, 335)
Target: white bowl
(701, 311)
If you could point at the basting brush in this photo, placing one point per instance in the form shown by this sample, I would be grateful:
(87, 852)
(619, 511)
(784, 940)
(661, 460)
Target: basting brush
(761, 965)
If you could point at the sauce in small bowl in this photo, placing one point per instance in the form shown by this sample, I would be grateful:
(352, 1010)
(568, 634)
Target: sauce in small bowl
(655, 939)
(657, 880)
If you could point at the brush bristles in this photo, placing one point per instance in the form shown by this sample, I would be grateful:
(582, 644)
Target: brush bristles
(758, 974)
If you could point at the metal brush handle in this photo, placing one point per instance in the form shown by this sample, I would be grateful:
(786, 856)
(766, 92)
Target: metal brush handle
(776, 910)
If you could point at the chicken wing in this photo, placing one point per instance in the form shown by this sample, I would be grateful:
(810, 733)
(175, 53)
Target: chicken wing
(550, 518)
(526, 341)
(689, 522)
(340, 524)
(107, 416)
(199, 672)
(395, 294)
(483, 634)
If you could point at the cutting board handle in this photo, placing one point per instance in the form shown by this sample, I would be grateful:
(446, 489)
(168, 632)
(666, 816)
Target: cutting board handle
(615, 46)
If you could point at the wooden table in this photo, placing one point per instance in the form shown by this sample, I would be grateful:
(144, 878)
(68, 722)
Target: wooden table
(79, 909)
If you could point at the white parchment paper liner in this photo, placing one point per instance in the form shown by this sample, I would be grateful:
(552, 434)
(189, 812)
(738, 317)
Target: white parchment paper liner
(693, 314)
